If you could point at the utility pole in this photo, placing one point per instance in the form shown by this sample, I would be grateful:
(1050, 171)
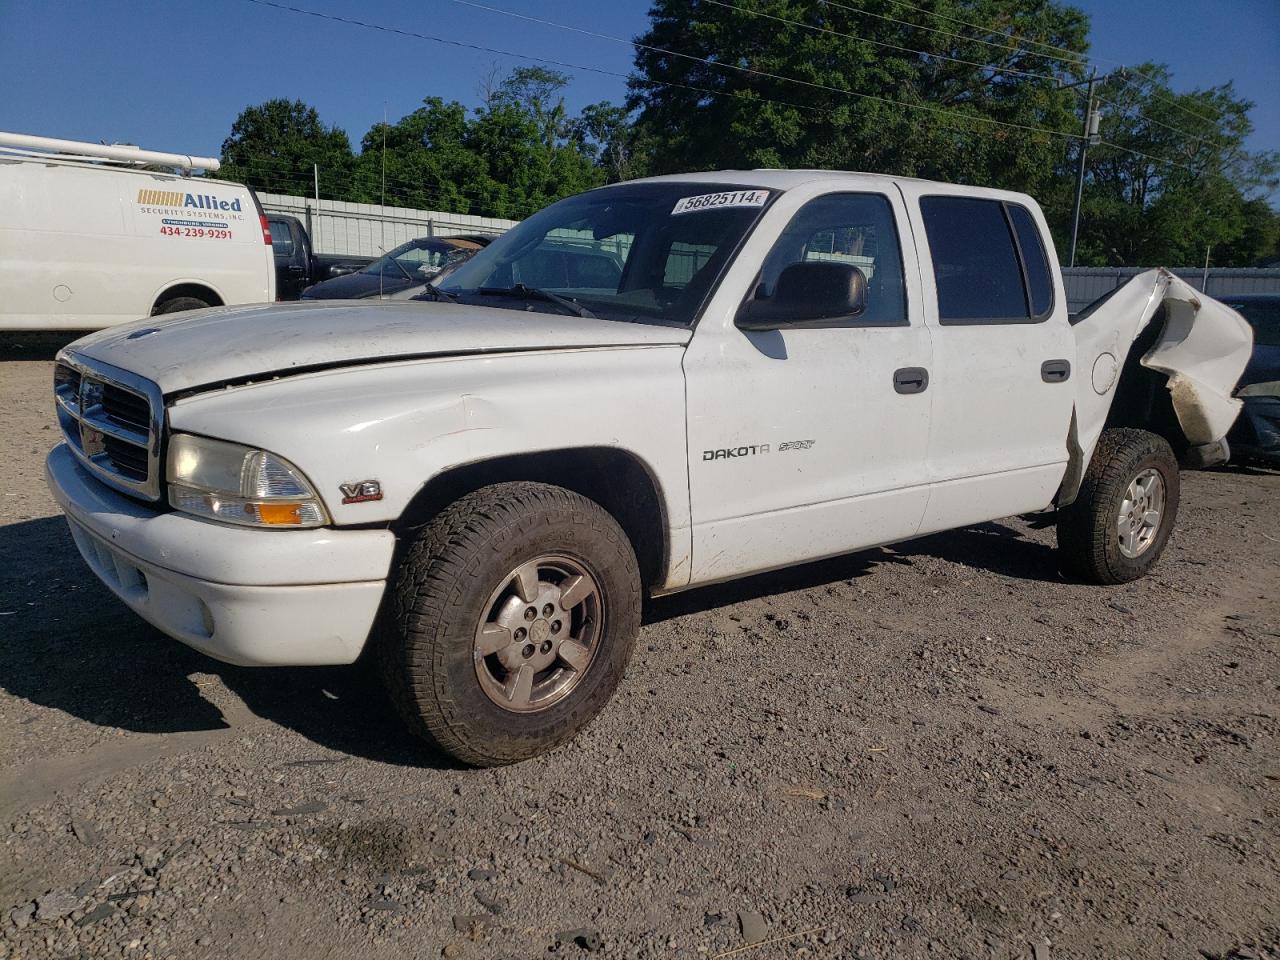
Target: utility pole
(315, 172)
(1088, 134)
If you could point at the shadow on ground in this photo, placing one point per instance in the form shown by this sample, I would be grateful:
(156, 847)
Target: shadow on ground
(71, 646)
(36, 346)
(989, 546)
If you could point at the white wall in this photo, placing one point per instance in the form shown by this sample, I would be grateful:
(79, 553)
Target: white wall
(367, 229)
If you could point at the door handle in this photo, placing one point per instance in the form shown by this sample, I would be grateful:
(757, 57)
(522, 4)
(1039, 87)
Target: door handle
(1055, 371)
(910, 380)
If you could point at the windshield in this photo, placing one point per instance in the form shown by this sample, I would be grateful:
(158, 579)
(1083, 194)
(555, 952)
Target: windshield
(1264, 317)
(642, 252)
(421, 259)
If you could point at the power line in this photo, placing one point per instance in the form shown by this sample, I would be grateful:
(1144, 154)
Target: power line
(753, 98)
(1170, 101)
(1072, 58)
(263, 166)
(879, 43)
(1147, 156)
(644, 46)
(1075, 59)
(1151, 120)
(749, 70)
(938, 56)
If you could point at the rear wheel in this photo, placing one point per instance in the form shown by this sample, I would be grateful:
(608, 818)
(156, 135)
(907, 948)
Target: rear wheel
(510, 622)
(178, 304)
(1120, 522)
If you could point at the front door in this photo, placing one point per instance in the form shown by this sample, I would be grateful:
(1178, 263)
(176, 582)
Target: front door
(806, 443)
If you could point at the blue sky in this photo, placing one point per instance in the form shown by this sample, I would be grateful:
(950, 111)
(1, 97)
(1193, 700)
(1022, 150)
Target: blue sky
(173, 75)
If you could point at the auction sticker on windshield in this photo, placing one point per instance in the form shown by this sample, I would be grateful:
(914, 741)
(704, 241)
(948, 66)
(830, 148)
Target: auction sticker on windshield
(716, 201)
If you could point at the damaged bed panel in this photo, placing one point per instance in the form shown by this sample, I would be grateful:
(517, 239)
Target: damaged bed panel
(1202, 348)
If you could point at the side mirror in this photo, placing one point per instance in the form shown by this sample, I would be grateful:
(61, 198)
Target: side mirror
(341, 270)
(814, 293)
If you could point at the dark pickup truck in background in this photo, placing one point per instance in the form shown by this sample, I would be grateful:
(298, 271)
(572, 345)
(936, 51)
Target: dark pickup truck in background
(297, 265)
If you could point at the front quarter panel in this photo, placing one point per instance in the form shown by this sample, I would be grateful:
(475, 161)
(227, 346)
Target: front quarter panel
(400, 424)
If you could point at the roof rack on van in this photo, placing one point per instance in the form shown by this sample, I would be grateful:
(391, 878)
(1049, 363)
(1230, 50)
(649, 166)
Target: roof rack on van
(112, 153)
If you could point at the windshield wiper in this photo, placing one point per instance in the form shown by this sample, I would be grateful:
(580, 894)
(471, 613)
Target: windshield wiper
(430, 289)
(534, 293)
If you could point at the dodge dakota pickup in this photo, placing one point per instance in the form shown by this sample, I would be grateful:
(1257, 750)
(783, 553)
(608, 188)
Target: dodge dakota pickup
(641, 389)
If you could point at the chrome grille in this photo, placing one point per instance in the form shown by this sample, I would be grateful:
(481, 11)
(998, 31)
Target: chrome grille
(126, 409)
(111, 420)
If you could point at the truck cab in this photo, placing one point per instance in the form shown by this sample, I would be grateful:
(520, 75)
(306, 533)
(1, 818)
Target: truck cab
(479, 488)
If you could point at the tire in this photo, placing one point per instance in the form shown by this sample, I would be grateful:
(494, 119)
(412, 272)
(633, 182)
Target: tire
(178, 304)
(461, 573)
(1091, 541)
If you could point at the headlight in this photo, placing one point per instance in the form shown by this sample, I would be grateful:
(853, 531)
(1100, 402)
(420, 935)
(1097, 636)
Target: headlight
(235, 484)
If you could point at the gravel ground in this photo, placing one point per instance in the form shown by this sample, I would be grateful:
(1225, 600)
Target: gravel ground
(938, 750)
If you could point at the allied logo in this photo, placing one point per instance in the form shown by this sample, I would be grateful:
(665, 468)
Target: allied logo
(362, 491)
(194, 201)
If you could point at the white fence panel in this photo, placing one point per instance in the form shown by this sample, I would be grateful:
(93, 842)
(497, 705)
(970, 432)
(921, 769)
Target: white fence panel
(367, 229)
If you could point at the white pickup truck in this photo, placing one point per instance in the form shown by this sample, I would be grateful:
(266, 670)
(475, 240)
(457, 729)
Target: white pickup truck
(640, 389)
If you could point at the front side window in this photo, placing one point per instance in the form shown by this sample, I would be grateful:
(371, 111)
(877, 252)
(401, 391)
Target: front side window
(640, 252)
(851, 228)
(976, 262)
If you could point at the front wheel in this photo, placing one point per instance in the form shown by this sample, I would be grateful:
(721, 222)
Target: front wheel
(1121, 519)
(510, 622)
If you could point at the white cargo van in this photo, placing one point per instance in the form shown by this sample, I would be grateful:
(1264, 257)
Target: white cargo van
(89, 238)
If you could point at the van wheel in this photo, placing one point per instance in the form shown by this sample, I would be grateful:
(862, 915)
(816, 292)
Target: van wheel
(178, 304)
(1121, 520)
(509, 622)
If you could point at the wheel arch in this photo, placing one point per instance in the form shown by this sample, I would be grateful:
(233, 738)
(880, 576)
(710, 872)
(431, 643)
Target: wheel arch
(617, 479)
(201, 291)
(1142, 399)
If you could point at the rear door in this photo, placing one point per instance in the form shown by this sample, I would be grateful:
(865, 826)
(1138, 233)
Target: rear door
(1001, 355)
(290, 257)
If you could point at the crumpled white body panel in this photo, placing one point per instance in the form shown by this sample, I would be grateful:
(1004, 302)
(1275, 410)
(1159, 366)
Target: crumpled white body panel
(1203, 349)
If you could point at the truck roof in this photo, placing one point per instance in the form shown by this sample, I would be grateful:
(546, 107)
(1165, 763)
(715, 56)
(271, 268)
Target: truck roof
(774, 179)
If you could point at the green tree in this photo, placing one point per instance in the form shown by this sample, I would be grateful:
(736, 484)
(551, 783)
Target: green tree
(428, 165)
(510, 157)
(524, 137)
(605, 133)
(865, 101)
(1140, 210)
(869, 86)
(273, 146)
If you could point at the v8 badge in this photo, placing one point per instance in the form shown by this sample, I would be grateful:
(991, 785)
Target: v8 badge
(362, 491)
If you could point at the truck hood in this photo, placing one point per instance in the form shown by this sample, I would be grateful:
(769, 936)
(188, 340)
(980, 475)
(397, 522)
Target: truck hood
(221, 345)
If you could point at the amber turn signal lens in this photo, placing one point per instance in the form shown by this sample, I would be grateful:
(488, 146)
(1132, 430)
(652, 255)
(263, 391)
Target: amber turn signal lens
(280, 514)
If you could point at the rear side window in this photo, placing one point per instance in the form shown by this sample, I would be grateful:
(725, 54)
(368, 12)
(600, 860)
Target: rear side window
(1036, 261)
(981, 274)
(281, 238)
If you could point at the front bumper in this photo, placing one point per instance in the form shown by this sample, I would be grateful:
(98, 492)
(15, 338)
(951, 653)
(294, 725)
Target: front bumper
(244, 596)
